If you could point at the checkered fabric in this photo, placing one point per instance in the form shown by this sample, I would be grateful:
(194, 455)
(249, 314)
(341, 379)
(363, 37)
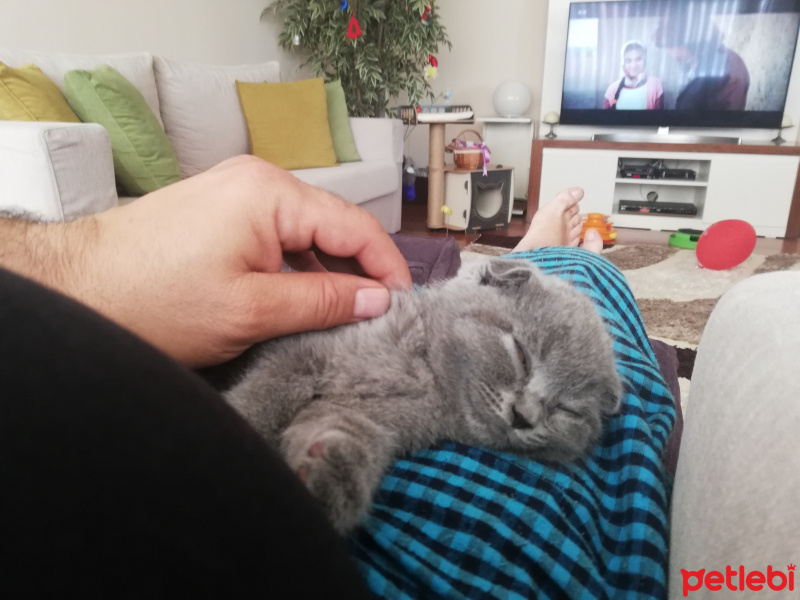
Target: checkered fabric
(462, 522)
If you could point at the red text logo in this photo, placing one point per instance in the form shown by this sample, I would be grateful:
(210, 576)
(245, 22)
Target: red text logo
(738, 579)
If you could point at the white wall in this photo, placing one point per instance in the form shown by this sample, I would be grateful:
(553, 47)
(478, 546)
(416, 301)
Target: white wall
(202, 31)
(492, 42)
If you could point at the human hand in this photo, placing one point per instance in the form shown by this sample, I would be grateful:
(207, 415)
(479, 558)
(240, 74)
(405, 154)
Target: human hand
(194, 268)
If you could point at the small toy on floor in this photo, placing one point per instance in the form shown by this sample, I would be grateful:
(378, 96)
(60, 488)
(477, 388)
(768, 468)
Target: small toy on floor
(685, 238)
(725, 244)
(604, 227)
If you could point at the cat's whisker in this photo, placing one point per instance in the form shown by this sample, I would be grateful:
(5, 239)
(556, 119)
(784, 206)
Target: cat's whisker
(491, 397)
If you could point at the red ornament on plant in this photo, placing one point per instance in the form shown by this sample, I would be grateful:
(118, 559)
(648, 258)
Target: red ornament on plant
(353, 28)
(426, 14)
(432, 60)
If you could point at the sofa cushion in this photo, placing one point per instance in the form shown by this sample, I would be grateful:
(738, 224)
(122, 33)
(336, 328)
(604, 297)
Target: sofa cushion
(135, 67)
(339, 120)
(201, 111)
(356, 182)
(287, 123)
(72, 164)
(27, 94)
(143, 158)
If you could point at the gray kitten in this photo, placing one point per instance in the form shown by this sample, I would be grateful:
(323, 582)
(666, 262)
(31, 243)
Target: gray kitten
(501, 356)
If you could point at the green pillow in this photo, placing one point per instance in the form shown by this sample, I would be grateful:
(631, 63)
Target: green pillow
(340, 123)
(287, 123)
(143, 158)
(27, 94)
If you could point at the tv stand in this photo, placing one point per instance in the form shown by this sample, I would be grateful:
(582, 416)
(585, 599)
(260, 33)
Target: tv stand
(664, 138)
(757, 183)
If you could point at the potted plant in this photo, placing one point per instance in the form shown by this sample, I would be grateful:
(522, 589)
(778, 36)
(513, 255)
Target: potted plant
(378, 49)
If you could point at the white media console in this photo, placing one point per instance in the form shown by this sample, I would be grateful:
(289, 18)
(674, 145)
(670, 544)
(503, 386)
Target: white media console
(756, 183)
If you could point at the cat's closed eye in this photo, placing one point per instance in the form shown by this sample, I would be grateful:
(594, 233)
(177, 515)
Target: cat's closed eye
(568, 410)
(522, 357)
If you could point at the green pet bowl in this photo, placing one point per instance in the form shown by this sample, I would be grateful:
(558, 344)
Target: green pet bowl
(685, 238)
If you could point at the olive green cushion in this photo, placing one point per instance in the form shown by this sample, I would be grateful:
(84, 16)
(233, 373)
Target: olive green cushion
(143, 158)
(339, 121)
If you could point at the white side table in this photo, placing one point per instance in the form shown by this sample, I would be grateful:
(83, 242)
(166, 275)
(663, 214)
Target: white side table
(510, 139)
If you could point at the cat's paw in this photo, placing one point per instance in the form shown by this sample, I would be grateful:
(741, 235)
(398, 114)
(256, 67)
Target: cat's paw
(336, 468)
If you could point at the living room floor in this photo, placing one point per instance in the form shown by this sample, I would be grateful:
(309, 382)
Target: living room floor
(415, 215)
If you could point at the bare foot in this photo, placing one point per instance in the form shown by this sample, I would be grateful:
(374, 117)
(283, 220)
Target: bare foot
(555, 224)
(592, 241)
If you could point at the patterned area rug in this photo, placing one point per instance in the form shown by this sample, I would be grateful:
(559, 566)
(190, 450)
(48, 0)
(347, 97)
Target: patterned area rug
(675, 295)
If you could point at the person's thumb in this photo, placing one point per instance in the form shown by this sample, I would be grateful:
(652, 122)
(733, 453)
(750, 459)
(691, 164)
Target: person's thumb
(285, 303)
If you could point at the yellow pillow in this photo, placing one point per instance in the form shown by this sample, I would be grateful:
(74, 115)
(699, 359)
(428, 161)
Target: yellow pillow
(27, 94)
(287, 123)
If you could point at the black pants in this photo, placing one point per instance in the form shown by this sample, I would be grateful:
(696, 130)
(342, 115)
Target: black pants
(124, 475)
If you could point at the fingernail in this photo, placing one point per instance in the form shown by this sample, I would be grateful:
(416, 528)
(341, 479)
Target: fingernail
(576, 192)
(371, 302)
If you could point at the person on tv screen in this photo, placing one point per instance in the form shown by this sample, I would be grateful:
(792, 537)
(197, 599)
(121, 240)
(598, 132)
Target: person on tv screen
(635, 90)
(717, 76)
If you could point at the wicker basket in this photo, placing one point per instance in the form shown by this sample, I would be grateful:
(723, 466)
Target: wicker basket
(467, 157)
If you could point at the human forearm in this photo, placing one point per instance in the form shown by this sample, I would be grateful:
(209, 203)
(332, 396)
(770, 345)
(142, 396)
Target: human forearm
(195, 268)
(57, 255)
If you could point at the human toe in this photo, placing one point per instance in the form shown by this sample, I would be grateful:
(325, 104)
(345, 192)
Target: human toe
(592, 241)
(569, 198)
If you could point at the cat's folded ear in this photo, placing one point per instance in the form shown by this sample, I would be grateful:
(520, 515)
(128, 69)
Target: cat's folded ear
(507, 274)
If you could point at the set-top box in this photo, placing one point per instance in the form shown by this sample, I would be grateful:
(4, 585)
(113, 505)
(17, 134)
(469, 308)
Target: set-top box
(642, 172)
(638, 172)
(658, 208)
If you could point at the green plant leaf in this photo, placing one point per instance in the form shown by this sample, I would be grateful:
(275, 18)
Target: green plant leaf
(385, 61)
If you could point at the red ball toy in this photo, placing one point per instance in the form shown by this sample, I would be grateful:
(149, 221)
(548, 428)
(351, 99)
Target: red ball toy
(726, 244)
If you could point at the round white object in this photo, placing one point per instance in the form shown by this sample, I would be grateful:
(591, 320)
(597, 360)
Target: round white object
(511, 99)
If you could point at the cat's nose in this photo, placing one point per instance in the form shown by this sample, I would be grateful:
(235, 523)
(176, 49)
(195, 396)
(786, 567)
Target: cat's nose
(518, 421)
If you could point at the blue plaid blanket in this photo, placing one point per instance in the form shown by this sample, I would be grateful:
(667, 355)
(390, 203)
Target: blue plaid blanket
(462, 522)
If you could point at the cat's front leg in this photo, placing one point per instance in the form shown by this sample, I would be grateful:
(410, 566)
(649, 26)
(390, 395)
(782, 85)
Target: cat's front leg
(341, 456)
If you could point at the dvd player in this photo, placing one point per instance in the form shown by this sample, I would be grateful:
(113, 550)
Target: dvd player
(659, 208)
(678, 174)
(648, 172)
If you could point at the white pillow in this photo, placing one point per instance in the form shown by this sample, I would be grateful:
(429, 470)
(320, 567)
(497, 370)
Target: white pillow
(201, 111)
(135, 67)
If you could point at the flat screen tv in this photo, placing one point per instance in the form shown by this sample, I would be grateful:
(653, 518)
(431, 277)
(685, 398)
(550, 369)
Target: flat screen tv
(679, 63)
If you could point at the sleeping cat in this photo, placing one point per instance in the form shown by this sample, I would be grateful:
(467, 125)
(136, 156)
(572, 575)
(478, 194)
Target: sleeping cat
(501, 356)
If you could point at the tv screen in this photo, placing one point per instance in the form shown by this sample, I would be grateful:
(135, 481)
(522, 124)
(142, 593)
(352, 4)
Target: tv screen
(681, 63)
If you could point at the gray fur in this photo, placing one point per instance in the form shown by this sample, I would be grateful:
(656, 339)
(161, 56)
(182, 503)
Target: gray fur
(501, 356)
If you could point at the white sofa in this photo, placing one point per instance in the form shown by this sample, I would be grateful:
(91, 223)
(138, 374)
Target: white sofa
(60, 171)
